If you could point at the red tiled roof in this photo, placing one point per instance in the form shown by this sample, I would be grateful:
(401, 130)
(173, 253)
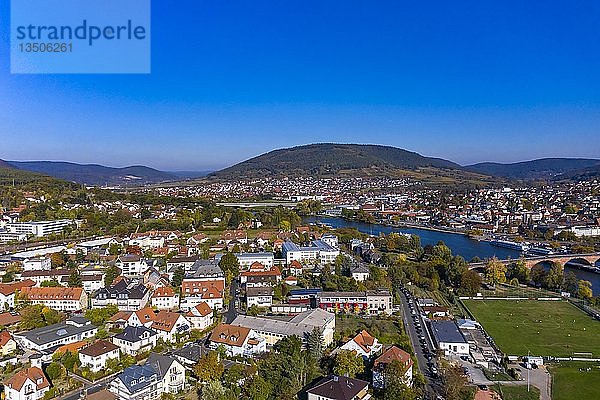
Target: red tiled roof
(35, 374)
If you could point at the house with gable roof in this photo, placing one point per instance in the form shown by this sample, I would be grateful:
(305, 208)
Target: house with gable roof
(363, 344)
(27, 384)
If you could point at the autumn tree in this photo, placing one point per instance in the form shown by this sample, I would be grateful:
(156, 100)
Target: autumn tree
(209, 368)
(495, 271)
(470, 283)
(584, 289)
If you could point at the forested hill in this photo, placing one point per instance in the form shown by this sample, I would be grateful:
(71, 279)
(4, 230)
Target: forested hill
(93, 174)
(329, 159)
(543, 168)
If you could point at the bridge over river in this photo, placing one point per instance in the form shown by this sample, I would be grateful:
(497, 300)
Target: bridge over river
(586, 261)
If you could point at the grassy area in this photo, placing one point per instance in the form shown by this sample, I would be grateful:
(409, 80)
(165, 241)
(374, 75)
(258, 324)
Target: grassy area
(518, 291)
(546, 328)
(517, 392)
(568, 382)
(497, 376)
(387, 331)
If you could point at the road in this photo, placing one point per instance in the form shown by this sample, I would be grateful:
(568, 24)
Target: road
(232, 312)
(411, 330)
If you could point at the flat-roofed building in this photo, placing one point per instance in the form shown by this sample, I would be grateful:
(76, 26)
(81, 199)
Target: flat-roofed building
(273, 330)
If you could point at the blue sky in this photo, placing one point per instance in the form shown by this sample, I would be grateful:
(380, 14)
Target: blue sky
(467, 81)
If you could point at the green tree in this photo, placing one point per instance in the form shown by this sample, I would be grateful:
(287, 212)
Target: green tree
(258, 388)
(111, 273)
(584, 289)
(538, 274)
(50, 283)
(214, 390)
(347, 363)
(519, 271)
(75, 279)
(178, 276)
(555, 277)
(230, 266)
(395, 387)
(54, 370)
(314, 343)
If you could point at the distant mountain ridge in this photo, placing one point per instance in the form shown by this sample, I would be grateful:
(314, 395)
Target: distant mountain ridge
(543, 168)
(332, 158)
(94, 174)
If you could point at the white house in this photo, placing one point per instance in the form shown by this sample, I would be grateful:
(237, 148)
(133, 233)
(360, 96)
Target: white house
(171, 373)
(97, 354)
(27, 384)
(132, 265)
(259, 296)
(135, 339)
(200, 316)
(168, 324)
(58, 298)
(363, 344)
(237, 340)
(37, 264)
(138, 382)
(360, 273)
(165, 298)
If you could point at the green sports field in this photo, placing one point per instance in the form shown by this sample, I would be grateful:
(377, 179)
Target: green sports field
(546, 328)
(574, 381)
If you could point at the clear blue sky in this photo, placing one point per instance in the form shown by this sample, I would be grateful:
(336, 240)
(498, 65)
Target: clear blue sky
(468, 81)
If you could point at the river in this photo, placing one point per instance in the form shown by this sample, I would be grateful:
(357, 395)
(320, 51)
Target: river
(459, 244)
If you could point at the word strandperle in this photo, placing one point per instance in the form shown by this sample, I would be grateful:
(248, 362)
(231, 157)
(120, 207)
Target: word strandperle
(84, 31)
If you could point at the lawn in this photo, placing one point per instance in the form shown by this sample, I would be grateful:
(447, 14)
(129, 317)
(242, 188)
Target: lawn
(517, 392)
(546, 328)
(568, 382)
(387, 331)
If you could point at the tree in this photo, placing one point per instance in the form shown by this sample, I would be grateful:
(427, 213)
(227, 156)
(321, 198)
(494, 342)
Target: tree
(50, 283)
(519, 271)
(454, 382)
(314, 343)
(57, 259)
(214, 390)
(258, 388)
(178, 276)
(495, 271)
(470, 282)
(570, 284)
(37, 316)
(54, 370)
(111, 273)
(75, 279)
(584, 289)
(538, 274)
(395, 388)
(99, 316)
(347, 363)
(209, 368)
(456, 269)
(230, 266)
(555, 277)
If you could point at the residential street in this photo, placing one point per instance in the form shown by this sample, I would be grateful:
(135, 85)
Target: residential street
(411, 330)
(232, 312)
